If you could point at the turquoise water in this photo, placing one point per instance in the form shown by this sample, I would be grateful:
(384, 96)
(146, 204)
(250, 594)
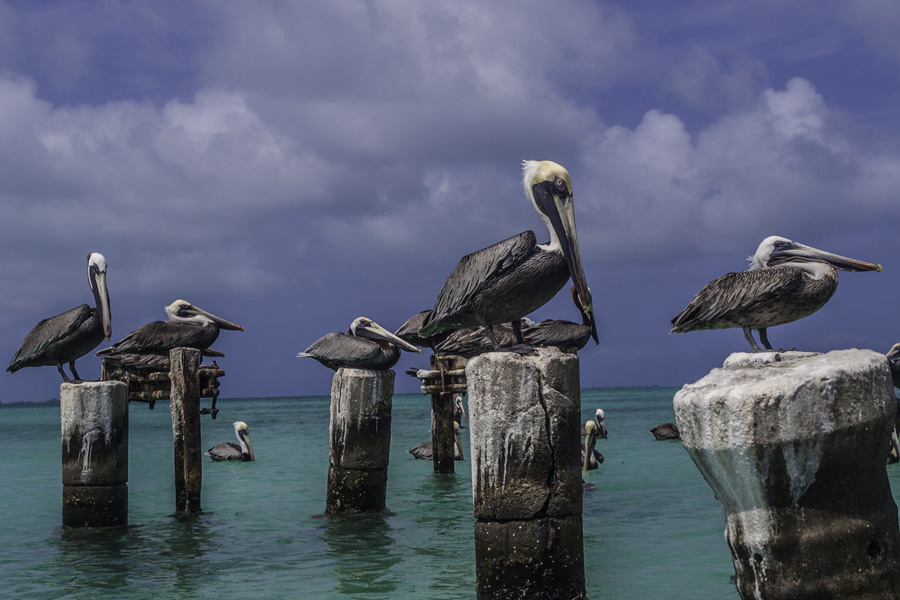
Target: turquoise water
(652, 528)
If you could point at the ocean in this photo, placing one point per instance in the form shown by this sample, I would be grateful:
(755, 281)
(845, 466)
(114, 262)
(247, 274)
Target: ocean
(652, 528)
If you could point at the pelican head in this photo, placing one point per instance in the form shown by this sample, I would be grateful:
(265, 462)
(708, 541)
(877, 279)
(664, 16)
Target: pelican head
(182, 310)
(548, 186)
(367, 328)
(601, 424)
(777, 250)
(97, 281)
(243, 435)
(460, 410)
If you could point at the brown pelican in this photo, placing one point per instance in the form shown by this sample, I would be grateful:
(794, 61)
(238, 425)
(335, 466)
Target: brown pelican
(69, 336)
(472, 342)
(408, 332)
(147, 348)
(459, 411)
(506, 281)
(666, 431)
(600, 422)
(425, 450)
(786, 281)
(564, 335)
(366, 345)
(232, 451)
(590, 457)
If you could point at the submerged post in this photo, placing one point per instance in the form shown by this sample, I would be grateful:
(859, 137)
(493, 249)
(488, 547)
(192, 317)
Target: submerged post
(795, 451)
(184, 403)
(360, 441)
(94, 418)
(524, 418)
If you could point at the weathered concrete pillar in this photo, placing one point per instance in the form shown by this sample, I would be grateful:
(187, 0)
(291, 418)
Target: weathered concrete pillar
(524, 419)
(360, 446)
(94, 416)
(795, 451)
(184, 404)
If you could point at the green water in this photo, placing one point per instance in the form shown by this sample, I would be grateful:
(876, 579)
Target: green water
(652, 528)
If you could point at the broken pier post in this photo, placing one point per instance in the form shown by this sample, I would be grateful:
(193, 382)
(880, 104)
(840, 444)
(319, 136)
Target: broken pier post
(795, 453)
(524, 419)
(184, 403)
(94, 422)
(360, 441)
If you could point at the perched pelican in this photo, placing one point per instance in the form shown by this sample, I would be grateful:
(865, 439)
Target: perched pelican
(472, 342)
(590, 457)
(425, 450)
(408, 332)
(232, 451)
(786, 281)
(69, 336)
(506, 281)
(366, 345)
(147, 347)
(666, 431)
(565, 335)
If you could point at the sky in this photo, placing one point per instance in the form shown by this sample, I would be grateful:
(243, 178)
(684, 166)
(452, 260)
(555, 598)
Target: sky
(291, 166)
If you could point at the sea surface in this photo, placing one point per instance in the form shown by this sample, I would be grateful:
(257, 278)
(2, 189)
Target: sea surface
(652, 528)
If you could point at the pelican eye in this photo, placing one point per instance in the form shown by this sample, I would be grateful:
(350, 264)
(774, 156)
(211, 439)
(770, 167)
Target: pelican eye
(560, 184)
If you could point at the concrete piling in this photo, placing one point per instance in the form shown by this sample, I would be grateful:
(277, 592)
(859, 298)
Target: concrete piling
(795, 451)
(94, 422)
(360, 441)
(184, 403)
(525, 419)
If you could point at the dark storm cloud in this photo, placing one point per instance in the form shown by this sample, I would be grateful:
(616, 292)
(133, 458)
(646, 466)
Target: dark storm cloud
(290, 168)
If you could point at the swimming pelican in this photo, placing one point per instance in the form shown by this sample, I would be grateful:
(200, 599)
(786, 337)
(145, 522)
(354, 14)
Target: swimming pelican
(232, 451)
(187, 327)
(425, 450)
(786, 281)
(506, 281)
(600, 423)
(69, 336)
(590, 457)
(893, 357)
(366, 345)
(666, 431)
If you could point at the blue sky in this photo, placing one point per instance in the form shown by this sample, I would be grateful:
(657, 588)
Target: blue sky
(291, 166)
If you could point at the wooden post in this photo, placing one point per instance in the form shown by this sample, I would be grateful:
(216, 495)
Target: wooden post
(795, 452)
(525, 419)
(360, 433)
(442, 395)
(94, 422)
(184, 402)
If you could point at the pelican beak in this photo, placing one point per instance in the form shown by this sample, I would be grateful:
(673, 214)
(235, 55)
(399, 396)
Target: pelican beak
(218, 320)
(561, 212)
(97, 279)
(839, 262)
(370, 329)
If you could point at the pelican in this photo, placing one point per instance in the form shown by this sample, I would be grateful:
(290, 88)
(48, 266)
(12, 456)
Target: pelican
(147, 347)
(69, 336)
(599, 422)
(408, 332)
(564, 335)
(506, 281)
(590, 457)
(232, 451)
(472, 342)
(366, 345)
(666, 431)
(425, 450)
(459, 411)
(893, 357)
(786, 281)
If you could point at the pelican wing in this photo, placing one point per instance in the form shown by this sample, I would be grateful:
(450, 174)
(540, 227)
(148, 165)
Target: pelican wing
(474, 272)
(723, 299)
(48, 332)
(341, 348)
(160, 336)
(225, 451)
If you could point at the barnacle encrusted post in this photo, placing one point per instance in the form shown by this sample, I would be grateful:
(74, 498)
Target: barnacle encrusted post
(360, 441)
(94, 423)
(525, 419)
(794, 447)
